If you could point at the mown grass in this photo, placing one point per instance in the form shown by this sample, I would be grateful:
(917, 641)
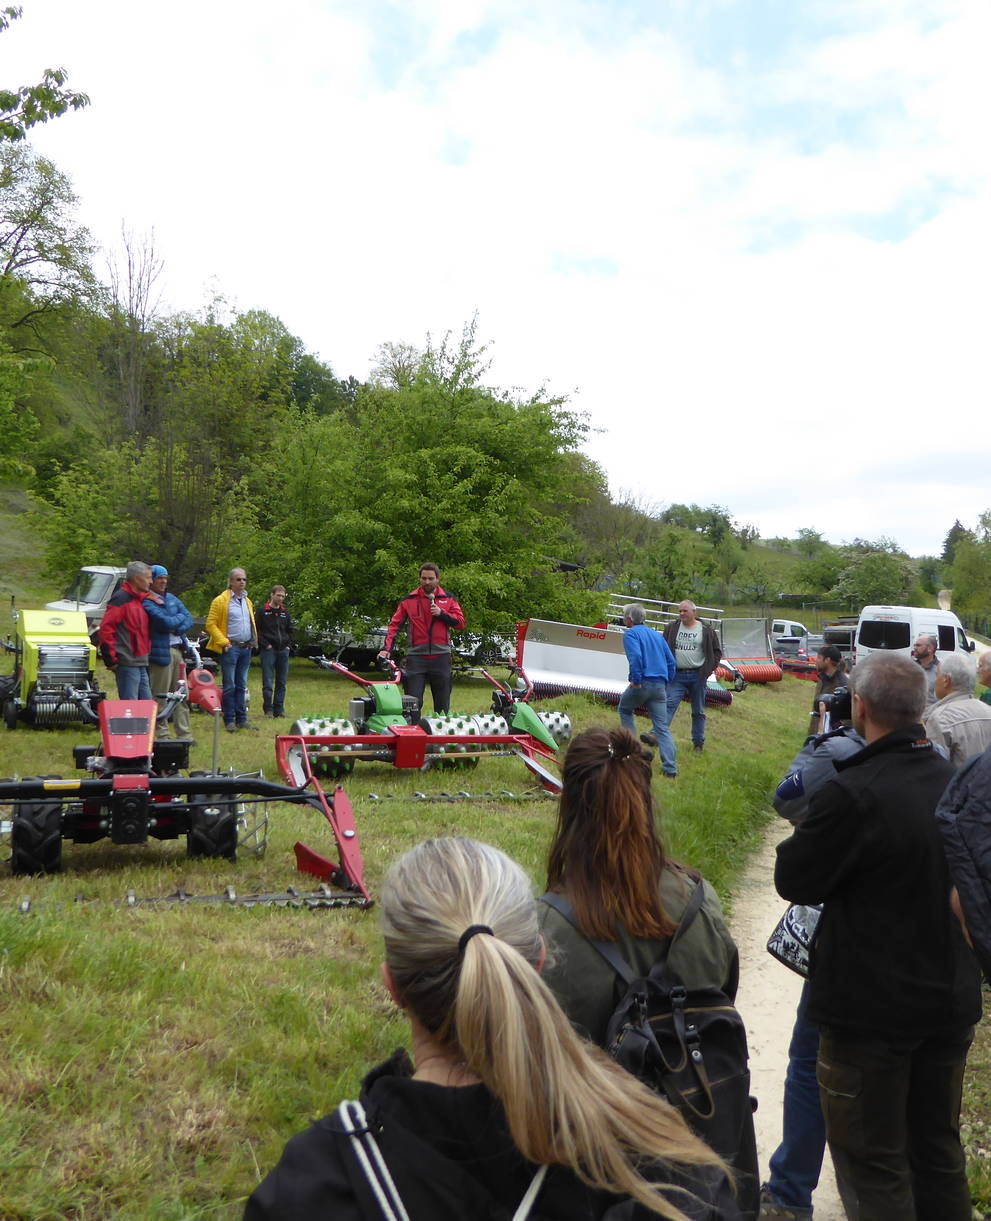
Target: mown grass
(156, 1060)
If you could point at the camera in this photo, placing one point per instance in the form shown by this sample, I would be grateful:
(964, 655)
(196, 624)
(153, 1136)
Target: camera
(838, 704)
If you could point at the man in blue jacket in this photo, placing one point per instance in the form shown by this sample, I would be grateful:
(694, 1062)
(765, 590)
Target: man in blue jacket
(169, 621)
(652, 667)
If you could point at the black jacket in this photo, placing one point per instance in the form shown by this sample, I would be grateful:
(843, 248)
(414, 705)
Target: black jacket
(274, 627)
(451, 1156)
(889, 957)
(964, 818)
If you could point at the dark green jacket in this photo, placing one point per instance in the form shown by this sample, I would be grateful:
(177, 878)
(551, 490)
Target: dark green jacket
(586, 986)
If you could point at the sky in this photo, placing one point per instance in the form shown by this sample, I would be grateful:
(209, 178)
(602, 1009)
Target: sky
(749, 239)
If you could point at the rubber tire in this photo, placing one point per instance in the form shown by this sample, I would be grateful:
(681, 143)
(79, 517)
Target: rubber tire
(212, 836)
(36, 837)
(10, 714)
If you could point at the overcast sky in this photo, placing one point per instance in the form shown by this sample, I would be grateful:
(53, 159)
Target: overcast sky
(749, 238)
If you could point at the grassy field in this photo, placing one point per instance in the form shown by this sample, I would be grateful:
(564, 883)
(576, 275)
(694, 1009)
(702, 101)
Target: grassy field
(157, 1060)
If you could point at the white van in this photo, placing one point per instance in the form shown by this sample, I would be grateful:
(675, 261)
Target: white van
(896, 628)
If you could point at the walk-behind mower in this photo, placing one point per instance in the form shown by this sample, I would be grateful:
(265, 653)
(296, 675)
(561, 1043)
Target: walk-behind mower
(52, 653)
(385, 726)
(136, 791)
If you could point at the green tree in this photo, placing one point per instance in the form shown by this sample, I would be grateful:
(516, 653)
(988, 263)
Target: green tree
(22, 108)
(148, 501)
(756, 581)
(443, 469)
(810, 542)
(18, 427)
(953, 536)
(45, 255)
(875, 577)
(820, 573)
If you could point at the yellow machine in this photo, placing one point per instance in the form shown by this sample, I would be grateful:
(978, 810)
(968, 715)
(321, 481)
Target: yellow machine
(52, 652)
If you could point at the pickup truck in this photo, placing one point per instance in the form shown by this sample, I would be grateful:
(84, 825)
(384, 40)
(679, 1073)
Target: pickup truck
(92, 588)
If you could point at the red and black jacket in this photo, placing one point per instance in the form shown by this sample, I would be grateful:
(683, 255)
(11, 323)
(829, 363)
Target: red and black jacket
(428, 634)
(125, 636)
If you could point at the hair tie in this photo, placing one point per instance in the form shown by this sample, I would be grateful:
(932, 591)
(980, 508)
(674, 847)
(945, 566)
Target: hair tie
(610, 750)
(470, 932)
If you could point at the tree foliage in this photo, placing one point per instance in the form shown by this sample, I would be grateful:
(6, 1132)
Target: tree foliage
(875, 577)
(45, 255)
(953, 536)
(444, 469)
(21, 108)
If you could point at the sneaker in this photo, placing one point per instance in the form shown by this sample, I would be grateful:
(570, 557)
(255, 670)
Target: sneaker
(648, 739)
(670, 775)
(270, 715)
(697, 747)
(769, 1207)
(231, 728)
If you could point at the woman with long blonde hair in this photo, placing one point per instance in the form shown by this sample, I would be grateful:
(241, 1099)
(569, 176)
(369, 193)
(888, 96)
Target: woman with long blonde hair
(503, 1111)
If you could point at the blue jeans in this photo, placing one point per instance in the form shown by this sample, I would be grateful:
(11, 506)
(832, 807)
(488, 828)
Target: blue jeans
(132, 683)
(797, 1161)
(275, 671)
(653, 697)
(234, 668)
(690, 682)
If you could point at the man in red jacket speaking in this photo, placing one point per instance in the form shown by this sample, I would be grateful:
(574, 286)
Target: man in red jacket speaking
(432, 615)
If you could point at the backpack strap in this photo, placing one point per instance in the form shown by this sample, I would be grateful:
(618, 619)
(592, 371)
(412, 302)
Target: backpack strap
(369, 1157)
(608, 949)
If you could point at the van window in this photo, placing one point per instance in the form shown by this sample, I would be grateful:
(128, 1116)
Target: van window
(884, 634)
(947, 637)
(962, 643)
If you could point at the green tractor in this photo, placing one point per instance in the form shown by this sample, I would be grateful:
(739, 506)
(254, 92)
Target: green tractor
(52, 653)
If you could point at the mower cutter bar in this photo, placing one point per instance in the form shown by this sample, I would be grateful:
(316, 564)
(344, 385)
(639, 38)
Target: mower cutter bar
(165, 786)
(321, 899)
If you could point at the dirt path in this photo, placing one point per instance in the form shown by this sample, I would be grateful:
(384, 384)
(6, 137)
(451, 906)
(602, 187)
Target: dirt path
(767, 1000)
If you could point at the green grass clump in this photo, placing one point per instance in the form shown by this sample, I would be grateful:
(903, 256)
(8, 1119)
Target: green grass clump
(157, 1060)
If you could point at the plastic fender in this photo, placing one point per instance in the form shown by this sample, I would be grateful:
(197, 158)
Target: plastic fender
(525, 720)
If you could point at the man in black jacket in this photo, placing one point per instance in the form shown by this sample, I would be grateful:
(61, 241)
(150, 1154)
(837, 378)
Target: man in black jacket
(894, 989)
(274, 642)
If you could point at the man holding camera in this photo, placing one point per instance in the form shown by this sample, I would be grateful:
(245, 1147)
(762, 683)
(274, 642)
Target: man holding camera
(432, 615)
(893, 989)
(832, 674)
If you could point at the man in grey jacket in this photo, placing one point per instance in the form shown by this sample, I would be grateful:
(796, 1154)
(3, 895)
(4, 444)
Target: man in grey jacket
(957, 720)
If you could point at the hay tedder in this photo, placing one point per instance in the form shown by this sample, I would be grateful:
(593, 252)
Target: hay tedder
(53, 654)
(135, 790)
(385, 726)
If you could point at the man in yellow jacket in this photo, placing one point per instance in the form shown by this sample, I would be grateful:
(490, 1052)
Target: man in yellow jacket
(231, 628)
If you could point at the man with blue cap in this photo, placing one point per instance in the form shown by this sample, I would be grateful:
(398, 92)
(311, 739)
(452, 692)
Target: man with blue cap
(169, 622)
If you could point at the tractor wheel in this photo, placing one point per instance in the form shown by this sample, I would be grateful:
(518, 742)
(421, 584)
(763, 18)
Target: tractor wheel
(212, 828)
(10, 714)
(36, 837)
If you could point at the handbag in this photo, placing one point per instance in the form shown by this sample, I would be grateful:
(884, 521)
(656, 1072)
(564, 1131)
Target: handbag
(794, 935)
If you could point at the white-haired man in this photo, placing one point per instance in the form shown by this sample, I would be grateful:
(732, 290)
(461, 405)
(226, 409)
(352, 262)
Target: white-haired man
(957, 720)
(984, 676)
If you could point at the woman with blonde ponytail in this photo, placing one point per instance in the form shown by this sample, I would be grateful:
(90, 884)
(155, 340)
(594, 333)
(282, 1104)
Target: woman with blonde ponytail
(504, 1112)
(607, 860)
